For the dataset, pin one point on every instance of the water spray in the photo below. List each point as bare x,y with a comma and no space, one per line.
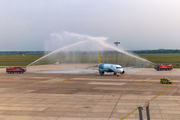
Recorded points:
121,51
85,41
58,50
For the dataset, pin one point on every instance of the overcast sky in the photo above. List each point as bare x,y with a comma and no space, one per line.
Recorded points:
137,24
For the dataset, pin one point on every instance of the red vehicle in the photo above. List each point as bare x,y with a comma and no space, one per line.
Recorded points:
163,67
16,69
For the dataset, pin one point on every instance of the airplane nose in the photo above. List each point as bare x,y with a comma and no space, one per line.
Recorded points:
120,70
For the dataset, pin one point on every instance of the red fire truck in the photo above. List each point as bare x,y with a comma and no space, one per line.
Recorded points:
163,67
16,70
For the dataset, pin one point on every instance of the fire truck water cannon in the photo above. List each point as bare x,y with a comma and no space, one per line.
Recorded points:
12,70
163,67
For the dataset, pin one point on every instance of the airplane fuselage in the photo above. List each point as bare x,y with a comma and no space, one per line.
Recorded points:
110,68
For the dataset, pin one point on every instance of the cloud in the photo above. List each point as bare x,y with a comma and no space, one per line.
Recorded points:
149,24
66,38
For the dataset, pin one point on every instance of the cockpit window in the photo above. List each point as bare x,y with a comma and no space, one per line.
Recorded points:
118,67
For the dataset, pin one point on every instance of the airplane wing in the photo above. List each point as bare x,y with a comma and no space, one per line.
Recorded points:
89,67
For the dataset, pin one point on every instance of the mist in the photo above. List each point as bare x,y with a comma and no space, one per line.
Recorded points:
78,48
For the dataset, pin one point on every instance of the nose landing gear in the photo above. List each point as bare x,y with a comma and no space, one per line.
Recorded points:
117,74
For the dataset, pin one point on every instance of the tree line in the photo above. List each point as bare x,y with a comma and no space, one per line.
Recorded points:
156,51
95,52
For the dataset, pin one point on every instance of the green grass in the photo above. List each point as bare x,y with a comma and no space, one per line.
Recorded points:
82,58
19,58
171,58
13,64
23,61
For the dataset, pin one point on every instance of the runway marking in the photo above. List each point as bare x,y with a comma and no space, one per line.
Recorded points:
167,85
158,77
171,85
141,83
59,81
43,81
152,84
149,83
147,101
129,80
145,83
169,72
39,77
152,79
66,81
55,81
129,114
106,83
52,82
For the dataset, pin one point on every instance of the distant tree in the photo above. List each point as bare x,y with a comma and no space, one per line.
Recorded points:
21,53
157,51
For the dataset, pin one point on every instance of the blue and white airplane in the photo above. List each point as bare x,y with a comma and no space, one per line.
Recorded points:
117,69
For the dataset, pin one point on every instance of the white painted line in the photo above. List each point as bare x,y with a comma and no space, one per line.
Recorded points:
70,71
106,83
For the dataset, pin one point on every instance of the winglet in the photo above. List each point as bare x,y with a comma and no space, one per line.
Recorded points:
99,61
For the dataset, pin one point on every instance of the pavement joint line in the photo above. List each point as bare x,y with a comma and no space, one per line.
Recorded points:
160,102
163,99
159,94
115,106
129,114
95,104
147,101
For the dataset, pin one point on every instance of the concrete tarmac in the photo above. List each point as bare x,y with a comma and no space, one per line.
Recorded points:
86,95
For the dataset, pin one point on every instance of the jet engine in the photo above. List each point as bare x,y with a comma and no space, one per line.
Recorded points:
101,72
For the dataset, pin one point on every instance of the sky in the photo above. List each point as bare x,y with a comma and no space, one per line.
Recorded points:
28,25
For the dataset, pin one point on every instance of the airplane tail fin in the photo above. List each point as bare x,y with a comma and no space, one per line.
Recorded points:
99,61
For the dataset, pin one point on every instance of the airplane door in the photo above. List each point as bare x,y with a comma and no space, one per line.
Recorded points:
113,68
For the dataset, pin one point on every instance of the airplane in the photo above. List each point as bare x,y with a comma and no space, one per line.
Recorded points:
117,69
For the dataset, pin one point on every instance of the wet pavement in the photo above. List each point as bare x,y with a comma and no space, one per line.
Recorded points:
73,96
